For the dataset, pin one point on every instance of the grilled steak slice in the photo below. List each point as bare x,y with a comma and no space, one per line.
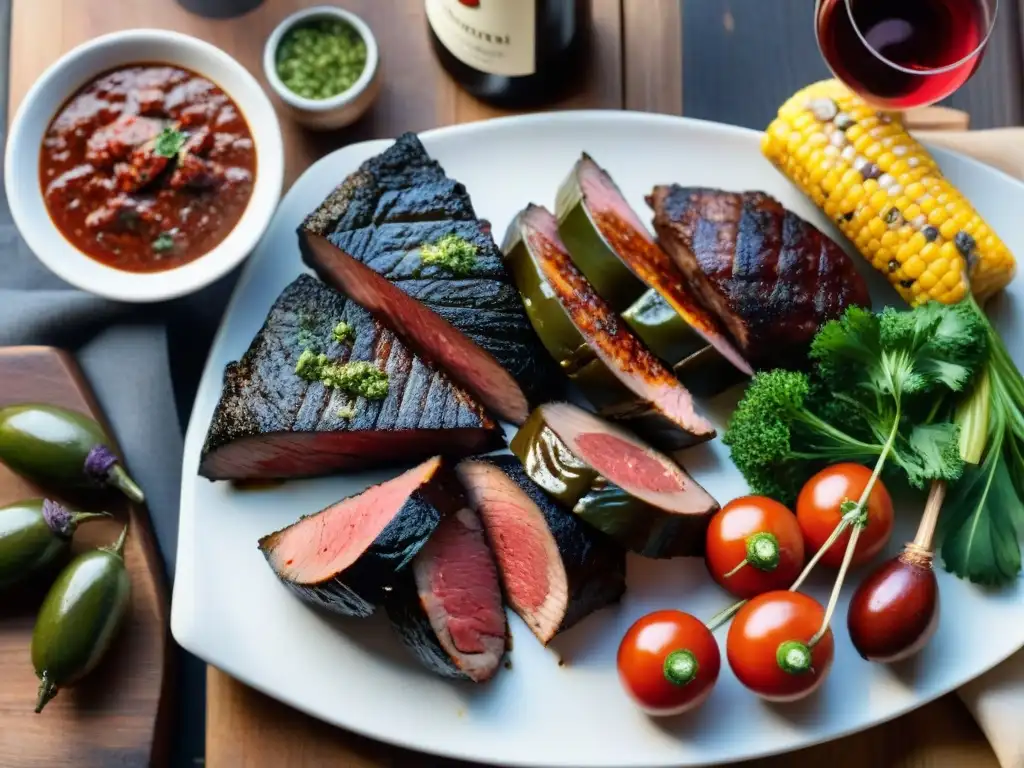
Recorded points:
608,477
271,423
555,569
447,607
771,277
613,368
366,239
346,557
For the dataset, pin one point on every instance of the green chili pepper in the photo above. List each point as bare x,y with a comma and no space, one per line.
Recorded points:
79,618
59,447
34,534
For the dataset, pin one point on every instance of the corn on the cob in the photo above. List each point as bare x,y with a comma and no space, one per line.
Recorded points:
887,195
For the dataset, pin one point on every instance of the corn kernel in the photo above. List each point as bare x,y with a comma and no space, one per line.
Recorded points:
913,266
949,228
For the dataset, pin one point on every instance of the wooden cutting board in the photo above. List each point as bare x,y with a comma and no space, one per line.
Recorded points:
118,716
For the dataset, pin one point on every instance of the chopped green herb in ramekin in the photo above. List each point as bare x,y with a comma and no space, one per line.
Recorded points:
321,58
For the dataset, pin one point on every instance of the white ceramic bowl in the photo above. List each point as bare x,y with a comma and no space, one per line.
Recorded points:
336,111
71,72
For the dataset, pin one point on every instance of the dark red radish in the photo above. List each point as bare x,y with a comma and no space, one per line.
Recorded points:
895,610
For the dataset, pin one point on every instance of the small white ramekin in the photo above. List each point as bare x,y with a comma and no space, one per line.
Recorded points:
65,77
336,111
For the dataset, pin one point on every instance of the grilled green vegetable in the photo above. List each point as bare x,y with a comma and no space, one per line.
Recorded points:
698,365
617,373
56,447
34,534
611,247
660,513
79,618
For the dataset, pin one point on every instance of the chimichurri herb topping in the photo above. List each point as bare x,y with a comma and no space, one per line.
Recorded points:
454,253
343,332
360,378
321,59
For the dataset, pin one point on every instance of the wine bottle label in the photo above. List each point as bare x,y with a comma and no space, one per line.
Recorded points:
493,36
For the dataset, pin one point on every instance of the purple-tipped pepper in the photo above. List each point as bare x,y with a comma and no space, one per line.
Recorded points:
60,448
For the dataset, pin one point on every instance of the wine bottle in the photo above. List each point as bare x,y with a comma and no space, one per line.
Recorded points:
514,53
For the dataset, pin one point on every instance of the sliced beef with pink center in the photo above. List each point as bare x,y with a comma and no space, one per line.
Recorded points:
447,608
272,423
555,569
614,481
347,557
368,238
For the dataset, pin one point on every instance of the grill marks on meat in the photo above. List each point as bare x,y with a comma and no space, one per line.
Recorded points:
271,424
447,608
771,277
473,326
346,557
556,570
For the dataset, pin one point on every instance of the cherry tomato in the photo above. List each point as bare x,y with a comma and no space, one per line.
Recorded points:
668,662
818,512
767,646
761,533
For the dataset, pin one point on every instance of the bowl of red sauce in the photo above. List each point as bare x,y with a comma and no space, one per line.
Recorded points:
144,165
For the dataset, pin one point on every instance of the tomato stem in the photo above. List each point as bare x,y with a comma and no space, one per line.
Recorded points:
723,616
843,524
737,569
680,667
763,551
794,657
858,525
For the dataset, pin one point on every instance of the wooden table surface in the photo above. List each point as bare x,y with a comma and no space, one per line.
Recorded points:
640,61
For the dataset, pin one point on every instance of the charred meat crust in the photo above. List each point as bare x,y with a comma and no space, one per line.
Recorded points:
384,212
618,374
771,277
366,583
595,566
269,419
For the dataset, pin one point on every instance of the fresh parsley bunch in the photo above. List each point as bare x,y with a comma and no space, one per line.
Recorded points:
881,391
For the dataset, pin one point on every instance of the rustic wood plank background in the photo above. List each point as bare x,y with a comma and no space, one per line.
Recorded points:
734,61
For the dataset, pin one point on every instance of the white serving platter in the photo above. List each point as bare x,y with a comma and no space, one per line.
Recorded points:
229,609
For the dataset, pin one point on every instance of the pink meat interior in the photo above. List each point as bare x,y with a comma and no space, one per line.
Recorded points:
625,460
305,454
318,547
530,565
427,332
458,584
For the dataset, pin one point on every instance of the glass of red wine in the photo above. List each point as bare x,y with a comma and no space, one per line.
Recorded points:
898,54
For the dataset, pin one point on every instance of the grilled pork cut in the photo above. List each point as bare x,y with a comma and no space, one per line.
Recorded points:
556,570
447,607
772,278
367,239
347,557
272,423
